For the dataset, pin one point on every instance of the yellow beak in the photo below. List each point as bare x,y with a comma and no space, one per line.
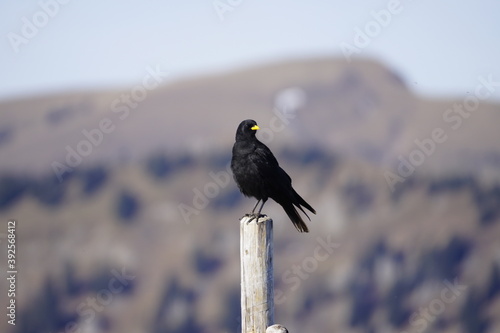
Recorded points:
255,128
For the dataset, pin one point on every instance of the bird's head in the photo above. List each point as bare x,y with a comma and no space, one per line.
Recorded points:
246,129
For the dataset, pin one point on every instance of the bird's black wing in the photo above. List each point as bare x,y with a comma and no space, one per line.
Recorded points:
279,187
269,167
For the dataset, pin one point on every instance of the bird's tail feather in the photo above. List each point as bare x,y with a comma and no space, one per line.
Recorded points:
295,217
301,202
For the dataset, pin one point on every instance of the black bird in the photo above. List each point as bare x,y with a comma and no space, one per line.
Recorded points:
258,175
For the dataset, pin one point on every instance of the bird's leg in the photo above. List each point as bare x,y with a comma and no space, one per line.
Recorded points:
254,216
260,209
253,210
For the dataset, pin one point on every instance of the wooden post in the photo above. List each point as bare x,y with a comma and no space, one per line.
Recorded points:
257,283
276,329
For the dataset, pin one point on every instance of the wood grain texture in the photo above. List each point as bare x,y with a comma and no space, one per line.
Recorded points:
257,283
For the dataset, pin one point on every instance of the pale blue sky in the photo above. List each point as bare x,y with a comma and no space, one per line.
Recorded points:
439,47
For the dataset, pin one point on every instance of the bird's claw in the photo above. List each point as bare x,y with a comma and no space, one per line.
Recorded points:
254,216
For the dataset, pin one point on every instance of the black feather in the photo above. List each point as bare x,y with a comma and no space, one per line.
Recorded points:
258,175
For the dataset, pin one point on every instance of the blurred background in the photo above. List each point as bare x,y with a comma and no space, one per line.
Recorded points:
116,126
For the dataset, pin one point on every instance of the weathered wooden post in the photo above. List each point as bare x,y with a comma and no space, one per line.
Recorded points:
257,283
276,329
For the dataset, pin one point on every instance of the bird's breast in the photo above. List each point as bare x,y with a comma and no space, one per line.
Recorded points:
247,174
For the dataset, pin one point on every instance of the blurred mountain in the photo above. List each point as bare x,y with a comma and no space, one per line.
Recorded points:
363,109
128,217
